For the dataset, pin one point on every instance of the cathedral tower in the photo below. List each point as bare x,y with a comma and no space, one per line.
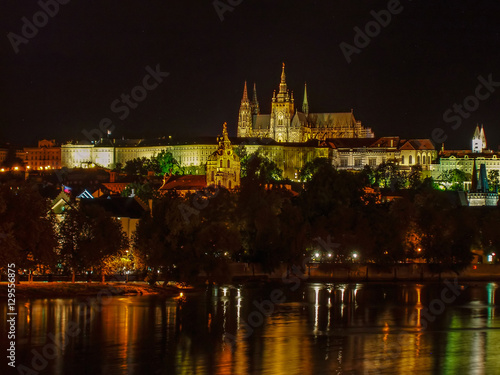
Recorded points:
224,166
282,110
479,140
245,115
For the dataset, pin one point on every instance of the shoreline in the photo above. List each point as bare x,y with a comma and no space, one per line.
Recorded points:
84,289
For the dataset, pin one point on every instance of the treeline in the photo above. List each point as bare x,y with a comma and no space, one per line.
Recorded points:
338,216
159,165
334,216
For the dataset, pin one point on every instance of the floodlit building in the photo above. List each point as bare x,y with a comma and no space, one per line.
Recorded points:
223,166
46,156
467,160
286,123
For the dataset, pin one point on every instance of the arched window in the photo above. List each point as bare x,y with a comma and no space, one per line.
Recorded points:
213,176
221,163
402,159
229,186
229,164
410,160
418,159
423,159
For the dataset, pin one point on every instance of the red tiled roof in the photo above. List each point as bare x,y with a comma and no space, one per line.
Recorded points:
418,144
187,182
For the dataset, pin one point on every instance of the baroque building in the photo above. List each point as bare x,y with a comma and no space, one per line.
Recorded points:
223,166
46,156
286,123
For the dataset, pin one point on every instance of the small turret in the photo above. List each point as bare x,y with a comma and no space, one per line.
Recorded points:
255,102
305,104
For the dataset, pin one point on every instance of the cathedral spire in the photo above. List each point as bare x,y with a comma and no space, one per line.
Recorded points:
255,102
245,94
283,89
305,104
483,137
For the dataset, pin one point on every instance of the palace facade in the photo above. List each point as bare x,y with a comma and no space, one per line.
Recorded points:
344,153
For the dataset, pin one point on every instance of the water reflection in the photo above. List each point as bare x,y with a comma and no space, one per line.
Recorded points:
345,328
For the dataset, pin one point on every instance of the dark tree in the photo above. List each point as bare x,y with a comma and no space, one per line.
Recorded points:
27,228
90,239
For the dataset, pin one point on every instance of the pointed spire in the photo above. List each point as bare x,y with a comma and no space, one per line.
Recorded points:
477,132
483,137
305,103
283,89
473,187
224,132
255,102
245,94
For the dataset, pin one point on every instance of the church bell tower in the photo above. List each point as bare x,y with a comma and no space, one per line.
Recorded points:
282,111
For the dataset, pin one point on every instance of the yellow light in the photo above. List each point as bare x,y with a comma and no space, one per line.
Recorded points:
3,170
28,167
16,168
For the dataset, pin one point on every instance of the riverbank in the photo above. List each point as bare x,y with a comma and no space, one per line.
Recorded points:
334,272
68,289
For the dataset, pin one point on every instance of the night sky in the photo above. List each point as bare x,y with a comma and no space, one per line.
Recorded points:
428,57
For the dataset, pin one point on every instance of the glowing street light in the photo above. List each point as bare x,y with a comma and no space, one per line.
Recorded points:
355,255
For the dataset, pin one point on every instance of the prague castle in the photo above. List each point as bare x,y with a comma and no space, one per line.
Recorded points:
287,124
287,136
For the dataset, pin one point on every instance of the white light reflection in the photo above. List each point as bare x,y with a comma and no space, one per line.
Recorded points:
316,309
238,309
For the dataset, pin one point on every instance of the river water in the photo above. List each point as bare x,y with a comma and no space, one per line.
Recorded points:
300,328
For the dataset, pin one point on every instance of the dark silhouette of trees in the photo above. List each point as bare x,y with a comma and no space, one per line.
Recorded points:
27,229
90,240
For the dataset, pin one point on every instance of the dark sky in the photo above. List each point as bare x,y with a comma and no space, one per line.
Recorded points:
66,77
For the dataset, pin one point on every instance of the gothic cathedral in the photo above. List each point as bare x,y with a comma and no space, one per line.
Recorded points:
287,124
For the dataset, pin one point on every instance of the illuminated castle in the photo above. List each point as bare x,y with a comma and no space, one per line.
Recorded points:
287,124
